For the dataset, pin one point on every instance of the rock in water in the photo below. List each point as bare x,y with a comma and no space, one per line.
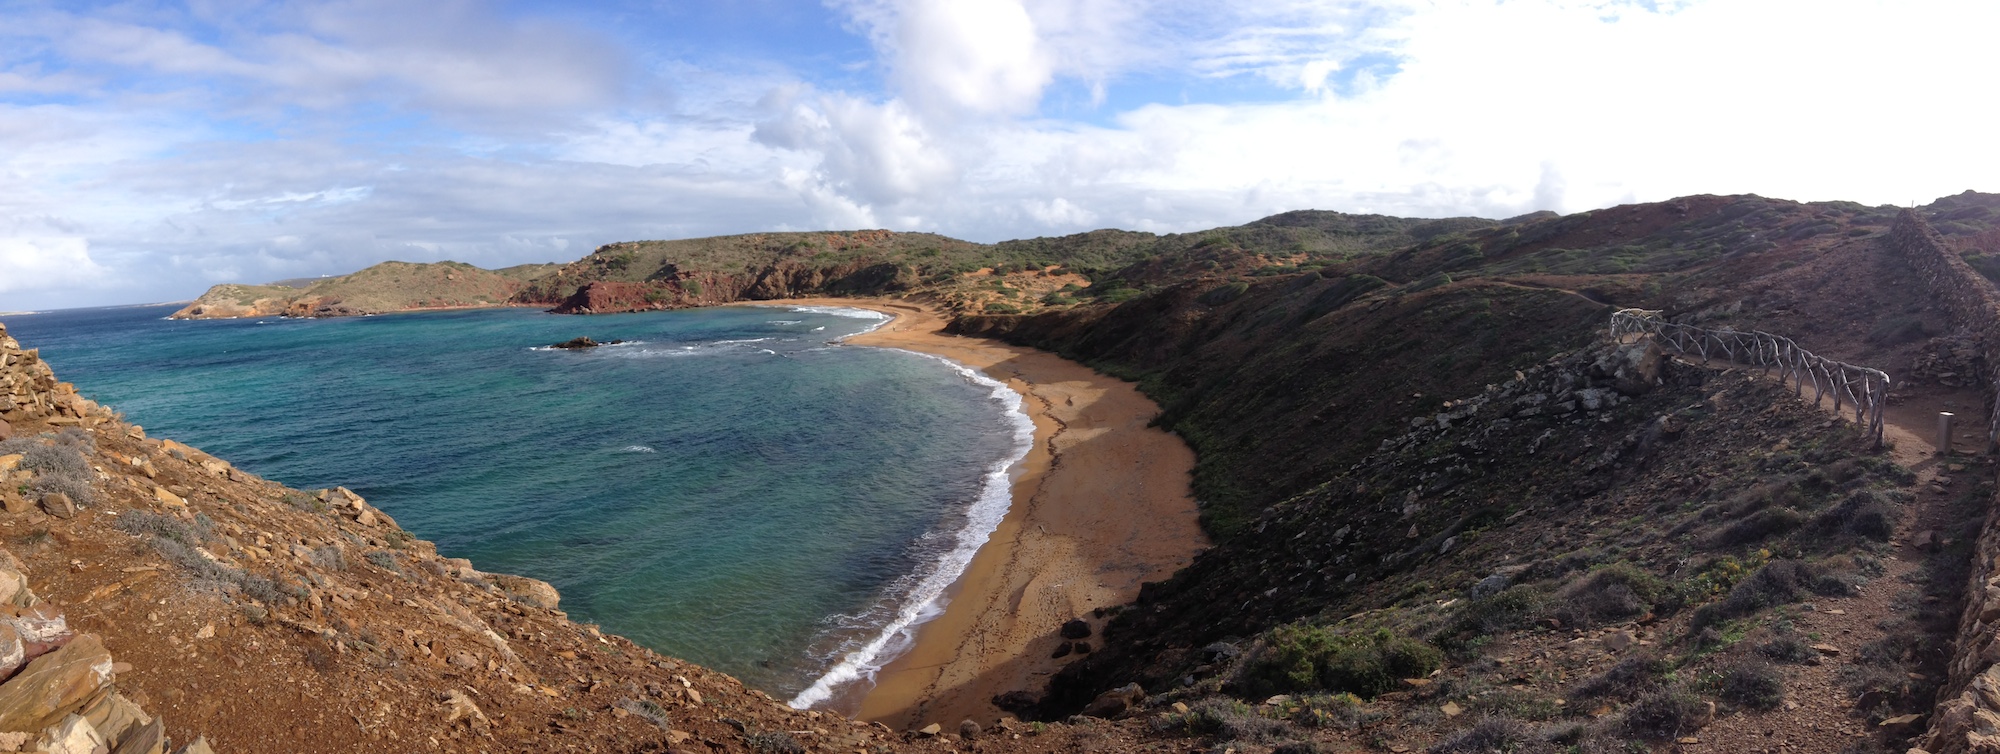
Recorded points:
584,342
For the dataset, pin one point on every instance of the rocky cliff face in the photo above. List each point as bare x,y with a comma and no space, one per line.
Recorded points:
383,288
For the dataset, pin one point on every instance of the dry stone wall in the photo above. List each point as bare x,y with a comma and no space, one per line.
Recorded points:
1967,718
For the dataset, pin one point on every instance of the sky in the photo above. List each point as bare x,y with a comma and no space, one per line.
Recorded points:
149,150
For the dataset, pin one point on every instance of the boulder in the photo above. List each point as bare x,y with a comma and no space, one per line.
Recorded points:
13,653
198,746
1116,702
12,581
42,628
968,729
15,504
1076,629
74,735
117,718
55,685
150,738
9,462
527,591
59,505
1635,367
169,499
1490,586
6,430
930,730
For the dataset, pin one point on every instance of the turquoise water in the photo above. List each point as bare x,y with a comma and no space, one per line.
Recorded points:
729,487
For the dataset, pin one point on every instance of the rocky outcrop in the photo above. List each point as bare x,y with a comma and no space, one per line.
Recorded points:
673,288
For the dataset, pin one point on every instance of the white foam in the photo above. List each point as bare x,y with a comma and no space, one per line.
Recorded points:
637,449
785,322
925,600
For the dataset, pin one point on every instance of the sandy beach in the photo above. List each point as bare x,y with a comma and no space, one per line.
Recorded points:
1101,505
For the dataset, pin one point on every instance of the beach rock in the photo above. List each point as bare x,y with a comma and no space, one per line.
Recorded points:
968,730
1116,702
1063,650
1076,629
59,505
576,344
55,685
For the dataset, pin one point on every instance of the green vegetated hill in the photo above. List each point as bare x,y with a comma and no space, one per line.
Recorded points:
386,287
1430,457
966,277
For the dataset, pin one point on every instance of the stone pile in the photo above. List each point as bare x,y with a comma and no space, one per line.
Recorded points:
29,392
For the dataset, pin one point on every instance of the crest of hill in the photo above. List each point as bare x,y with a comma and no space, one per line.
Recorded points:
383,288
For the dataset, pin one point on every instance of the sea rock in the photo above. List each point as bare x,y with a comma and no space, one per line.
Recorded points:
1116,702
55,685
59,505
1076,629
527,591
577,344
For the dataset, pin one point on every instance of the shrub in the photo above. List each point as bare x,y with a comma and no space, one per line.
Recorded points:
329,558
385,560
1510,609
1491,733
1777,583
645,710
1757,527
59,464
1300,658
1616,592
1665,714
1754,684
1337,711
1224,718
1631,678
1225,294
147,523
1788,648
774,742
1867,514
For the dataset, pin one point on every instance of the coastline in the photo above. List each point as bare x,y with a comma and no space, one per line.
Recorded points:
1100,505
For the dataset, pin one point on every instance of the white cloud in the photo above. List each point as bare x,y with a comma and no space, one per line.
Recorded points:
35,263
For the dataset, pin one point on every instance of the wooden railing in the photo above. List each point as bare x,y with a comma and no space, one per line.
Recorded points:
1862,389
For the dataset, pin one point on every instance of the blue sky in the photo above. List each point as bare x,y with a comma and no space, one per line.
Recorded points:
149,150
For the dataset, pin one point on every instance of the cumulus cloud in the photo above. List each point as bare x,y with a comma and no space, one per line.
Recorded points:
35,262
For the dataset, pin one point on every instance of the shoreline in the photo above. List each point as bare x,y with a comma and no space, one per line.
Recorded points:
1100,505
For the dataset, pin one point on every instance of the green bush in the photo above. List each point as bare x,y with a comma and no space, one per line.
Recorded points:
1299,657
1225,294
1755,685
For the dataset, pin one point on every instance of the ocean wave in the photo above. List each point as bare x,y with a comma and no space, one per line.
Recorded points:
785,322
637,449
919,597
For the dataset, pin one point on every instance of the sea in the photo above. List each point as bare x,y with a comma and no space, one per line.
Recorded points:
732,486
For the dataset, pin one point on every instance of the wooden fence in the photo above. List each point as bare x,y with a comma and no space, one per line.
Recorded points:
1863,390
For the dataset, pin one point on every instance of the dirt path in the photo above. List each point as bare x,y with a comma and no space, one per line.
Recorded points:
1819,713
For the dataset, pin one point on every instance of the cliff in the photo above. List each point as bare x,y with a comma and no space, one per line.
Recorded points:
383,288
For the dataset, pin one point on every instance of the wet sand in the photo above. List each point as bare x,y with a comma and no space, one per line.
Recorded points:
1100,505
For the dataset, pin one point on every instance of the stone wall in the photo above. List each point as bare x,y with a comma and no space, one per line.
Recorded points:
1967,718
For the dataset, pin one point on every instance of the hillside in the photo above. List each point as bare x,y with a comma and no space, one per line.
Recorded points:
383,288
1451,514
963,277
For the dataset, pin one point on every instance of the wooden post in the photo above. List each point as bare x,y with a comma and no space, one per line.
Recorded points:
1944,432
